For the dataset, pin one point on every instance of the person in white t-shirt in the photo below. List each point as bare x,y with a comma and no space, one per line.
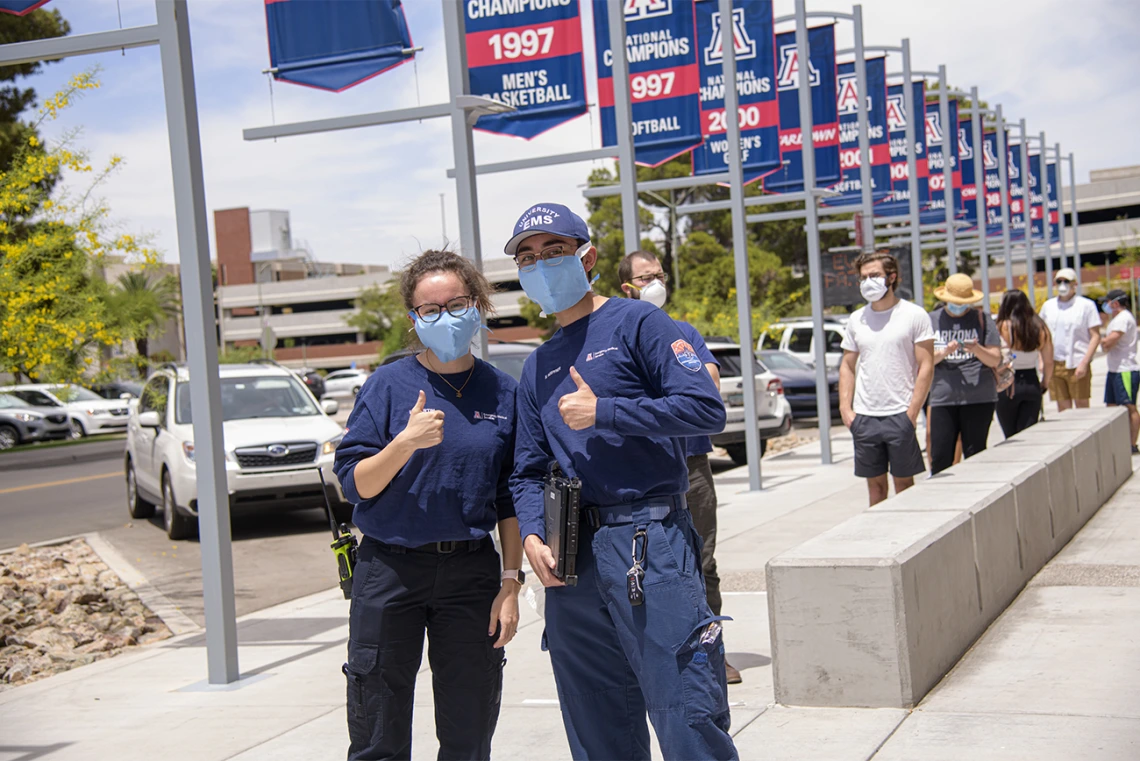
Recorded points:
1075,325
1123,380
885,375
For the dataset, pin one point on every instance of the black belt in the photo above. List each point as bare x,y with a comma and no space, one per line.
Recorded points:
650,508
436,548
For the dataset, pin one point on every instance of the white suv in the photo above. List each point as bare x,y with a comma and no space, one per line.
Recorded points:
796,338
88,413
275,435
773,413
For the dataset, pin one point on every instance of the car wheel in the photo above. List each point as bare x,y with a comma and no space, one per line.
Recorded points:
177,525
9,437
738,453
136,505
77,430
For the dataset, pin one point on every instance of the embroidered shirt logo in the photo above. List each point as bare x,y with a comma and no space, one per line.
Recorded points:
488,416
552,372
685,354
599,354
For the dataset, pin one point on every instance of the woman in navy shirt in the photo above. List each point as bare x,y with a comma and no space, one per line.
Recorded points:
426,459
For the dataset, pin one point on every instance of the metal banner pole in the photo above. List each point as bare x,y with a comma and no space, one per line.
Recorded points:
624,119
201,341
1044,180
1061,207
980,194
868,209
949,145
463,147
740,249
1030,263
1076,222
1003,178
815,263
912,121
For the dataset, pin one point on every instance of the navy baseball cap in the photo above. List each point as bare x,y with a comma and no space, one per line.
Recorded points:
553,218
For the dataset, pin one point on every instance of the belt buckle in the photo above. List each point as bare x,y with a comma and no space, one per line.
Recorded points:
445,548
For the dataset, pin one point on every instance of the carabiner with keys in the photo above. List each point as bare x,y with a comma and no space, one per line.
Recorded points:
636,574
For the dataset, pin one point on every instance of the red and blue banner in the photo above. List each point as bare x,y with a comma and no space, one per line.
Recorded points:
526,55
664,80
1042,194
993,182
1054,204
752,34
333,46
789,178
937,139
850,159
1016,193
20,7
969,184
899,203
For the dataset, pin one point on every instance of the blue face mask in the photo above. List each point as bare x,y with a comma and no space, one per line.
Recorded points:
957,310
449,337
1107,307
558,287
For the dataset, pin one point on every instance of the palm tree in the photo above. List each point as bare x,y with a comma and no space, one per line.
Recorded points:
142,305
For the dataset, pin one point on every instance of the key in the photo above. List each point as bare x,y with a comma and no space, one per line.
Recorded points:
636,574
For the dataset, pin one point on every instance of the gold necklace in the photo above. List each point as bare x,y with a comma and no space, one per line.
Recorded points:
458,391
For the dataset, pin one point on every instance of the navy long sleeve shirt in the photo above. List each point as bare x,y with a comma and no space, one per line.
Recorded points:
453,491
652,389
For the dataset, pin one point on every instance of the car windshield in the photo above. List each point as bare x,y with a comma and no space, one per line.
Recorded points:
73,393
253,397
130,387
7,401
781,361
729,360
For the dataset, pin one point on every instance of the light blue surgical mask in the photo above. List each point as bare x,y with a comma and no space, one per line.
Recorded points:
1107,308
556,287
957,310
449,337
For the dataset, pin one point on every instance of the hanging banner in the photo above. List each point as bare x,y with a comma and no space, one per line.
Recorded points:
333,46
850,159
21,7
1016,193
789,178
664,80
1054,204
527,55
1037,197
993,183
752,33
968,184
938,138
899,202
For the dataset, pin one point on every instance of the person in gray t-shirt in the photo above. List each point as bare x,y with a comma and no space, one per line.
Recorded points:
963,395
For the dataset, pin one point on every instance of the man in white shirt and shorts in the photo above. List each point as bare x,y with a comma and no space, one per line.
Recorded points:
1075,325
884,378
1123,381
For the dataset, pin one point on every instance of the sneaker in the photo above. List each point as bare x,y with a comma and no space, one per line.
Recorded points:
733,675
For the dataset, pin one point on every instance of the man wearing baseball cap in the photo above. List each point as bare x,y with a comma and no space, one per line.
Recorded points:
610,398
1123,380
1075,325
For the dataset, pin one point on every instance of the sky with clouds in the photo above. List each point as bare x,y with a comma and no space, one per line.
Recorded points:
373,195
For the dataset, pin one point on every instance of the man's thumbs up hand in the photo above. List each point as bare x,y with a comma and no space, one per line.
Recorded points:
579,409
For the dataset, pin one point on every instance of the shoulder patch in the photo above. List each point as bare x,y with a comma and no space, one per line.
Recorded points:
684,353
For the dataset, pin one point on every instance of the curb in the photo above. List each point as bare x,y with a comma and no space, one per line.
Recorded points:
65,455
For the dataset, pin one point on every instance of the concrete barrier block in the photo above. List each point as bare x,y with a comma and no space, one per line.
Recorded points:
1115,444
874,611
1035,532
982,471
1063,497
1089,470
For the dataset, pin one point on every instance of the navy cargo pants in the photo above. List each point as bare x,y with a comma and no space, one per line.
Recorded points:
613,662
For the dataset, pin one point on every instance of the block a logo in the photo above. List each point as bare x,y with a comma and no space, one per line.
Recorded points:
1014,172
745,45
637,10
965,151
788,77
848,98
988,157
896,113
933,129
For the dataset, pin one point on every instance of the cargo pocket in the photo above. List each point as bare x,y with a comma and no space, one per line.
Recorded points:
367,695
700,661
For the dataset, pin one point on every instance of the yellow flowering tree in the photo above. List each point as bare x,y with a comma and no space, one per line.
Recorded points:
53,305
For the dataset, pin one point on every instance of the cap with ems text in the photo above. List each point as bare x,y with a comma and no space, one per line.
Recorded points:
552,218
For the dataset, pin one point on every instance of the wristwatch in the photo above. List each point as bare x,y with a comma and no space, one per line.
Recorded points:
514,575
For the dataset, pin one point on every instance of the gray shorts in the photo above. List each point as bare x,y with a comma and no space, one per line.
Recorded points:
886,441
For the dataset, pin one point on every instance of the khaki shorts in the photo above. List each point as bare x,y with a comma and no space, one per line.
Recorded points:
1065,387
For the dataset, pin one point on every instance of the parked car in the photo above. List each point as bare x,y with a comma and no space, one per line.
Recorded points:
506,356
313,380
774,416
345,382
23,424
88,413
795,337
798,379
122,389
276,436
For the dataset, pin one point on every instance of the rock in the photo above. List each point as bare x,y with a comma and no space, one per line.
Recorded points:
101,621
108,580
57,600
86,595
90,571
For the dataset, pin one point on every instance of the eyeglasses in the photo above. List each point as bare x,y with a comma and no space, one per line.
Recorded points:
456,307
552,256
647,279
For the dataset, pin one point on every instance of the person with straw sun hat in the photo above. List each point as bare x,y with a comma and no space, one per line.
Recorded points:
963,395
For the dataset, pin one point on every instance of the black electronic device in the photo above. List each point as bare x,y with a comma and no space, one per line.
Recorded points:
343,546
562,498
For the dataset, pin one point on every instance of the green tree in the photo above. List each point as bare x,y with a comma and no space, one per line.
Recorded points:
141,305
15,100
380,315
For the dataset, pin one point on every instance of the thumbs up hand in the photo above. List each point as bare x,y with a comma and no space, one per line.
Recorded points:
579,409
424,429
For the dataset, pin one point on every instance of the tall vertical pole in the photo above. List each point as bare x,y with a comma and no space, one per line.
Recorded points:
443,217
740,247
915,116
201,341
1076,222
1003,178
1061,207
980,194
867,202
815,264
1044,181
1026,203
949,147
623,117
463,147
